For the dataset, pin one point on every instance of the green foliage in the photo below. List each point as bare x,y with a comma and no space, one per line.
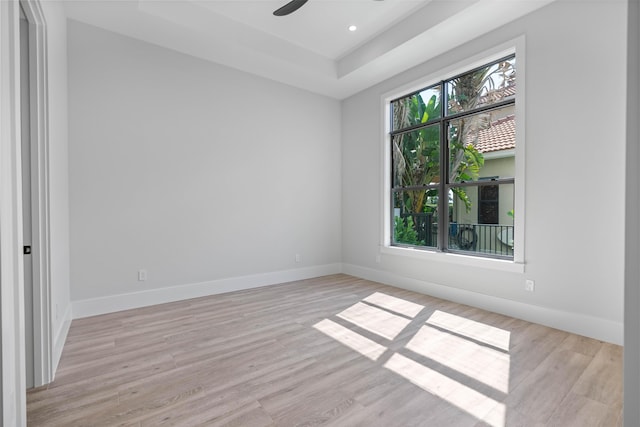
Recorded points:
465,161
416,154
404,231
463,197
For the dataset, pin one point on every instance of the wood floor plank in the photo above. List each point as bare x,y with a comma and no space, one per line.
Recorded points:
547,385
580,411
602,378
252,415
331,351
199,410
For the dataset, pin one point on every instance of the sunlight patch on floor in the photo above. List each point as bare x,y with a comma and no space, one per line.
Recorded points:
398,305
448,389
481,363
353,340
481,332
376,320
472,358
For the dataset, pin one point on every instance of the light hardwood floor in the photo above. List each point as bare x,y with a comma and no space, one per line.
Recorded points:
333,351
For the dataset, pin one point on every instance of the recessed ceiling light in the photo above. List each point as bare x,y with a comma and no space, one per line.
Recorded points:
352,28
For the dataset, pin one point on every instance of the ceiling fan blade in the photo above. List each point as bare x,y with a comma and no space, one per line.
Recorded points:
290,7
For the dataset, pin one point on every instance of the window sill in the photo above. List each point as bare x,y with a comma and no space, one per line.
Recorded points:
457,259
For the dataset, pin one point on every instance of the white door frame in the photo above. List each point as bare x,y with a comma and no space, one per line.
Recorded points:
41,257
12,360
11,273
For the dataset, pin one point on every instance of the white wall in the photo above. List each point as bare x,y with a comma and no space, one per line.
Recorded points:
56,24
196,172
574,245
632,243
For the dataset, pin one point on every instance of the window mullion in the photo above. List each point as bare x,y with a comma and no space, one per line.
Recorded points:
485,108
414,127
415,188
443,196
481,183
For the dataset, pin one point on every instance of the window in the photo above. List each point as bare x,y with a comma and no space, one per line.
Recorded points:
488,204
443,139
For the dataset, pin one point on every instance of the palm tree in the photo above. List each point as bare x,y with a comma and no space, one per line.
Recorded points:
416,154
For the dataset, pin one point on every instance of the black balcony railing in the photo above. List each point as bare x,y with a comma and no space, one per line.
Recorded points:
493,239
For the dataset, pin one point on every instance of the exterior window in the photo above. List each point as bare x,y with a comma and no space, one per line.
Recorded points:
443,139
488,204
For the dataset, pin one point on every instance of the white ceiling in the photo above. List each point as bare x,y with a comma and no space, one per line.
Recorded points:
320,26
311,48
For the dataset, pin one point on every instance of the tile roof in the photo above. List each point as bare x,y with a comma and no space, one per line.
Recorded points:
499,94
500,135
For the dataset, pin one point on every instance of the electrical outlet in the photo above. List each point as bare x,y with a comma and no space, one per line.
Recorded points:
529,285
142,275
378,259
298,258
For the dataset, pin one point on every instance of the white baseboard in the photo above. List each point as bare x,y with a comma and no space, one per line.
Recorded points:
113,303
59,339
581,324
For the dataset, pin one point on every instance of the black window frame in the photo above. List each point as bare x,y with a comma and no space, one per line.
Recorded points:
445,185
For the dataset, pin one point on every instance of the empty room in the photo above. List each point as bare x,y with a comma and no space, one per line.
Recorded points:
323,212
